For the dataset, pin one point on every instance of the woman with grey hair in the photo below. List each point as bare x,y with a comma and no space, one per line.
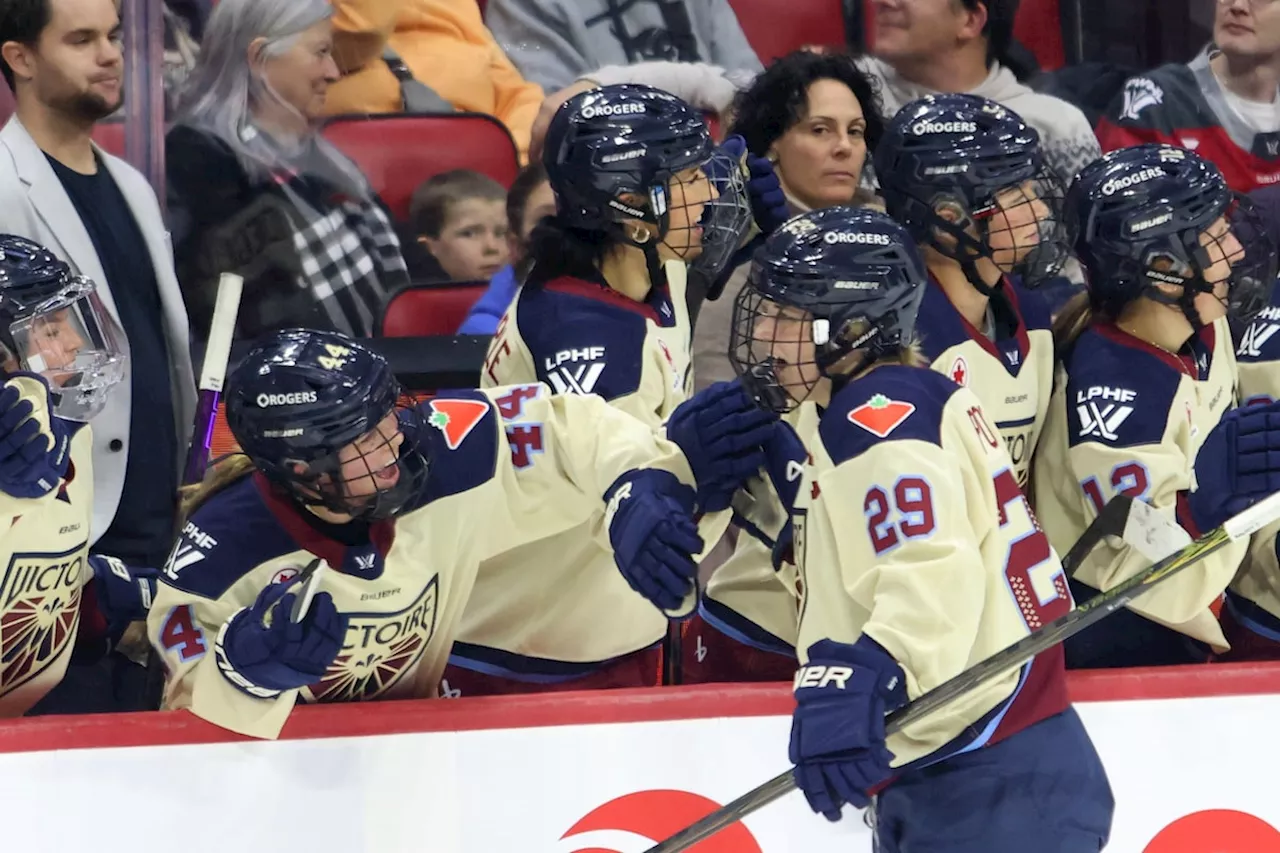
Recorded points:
255,190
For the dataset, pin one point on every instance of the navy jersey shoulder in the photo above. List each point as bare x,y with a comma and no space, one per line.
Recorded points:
461,442
1118,392
939,325
584,338
1260,340
231,533
891,403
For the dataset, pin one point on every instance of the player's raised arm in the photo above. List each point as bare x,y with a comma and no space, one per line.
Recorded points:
1146,386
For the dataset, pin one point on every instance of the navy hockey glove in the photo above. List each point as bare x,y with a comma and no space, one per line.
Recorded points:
721,430
768,201
31,464
650,520
263,652
124,593
1238,465
837,730
785,456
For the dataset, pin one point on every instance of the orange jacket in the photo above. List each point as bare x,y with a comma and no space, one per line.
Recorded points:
446,46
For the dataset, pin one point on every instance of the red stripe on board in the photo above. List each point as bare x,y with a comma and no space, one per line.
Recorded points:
163,728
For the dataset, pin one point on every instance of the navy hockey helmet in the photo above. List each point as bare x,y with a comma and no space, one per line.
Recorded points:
967,177
1153,215
318,414
852,279
617,154
53,323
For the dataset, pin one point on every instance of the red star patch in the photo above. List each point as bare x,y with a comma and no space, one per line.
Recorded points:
880,415
960,371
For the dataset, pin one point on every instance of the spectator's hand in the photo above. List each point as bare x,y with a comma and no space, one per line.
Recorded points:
548,109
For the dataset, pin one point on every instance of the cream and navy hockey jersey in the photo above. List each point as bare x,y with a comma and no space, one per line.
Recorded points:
508,466
1254,595
46,552
910,528
578,337
1012,375
1129,418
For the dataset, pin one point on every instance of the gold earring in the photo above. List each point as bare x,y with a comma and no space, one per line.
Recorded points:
640,235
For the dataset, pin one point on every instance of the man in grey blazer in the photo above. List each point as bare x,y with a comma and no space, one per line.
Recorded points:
63,60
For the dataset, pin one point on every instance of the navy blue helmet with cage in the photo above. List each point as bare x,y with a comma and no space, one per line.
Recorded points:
854,275
1149,215
311,411
613,155
967,176
53,323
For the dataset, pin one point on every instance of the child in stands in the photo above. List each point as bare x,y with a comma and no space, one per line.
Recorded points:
458,218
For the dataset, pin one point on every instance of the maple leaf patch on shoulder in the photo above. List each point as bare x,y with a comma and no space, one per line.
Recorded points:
880,415
456,418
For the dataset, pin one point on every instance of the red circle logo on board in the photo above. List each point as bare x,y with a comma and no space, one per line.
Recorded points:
658,815
1216,831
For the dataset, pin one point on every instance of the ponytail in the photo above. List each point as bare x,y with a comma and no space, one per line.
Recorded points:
556,250
223,473
1074,318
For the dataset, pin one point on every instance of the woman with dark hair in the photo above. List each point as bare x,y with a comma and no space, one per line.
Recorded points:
817,118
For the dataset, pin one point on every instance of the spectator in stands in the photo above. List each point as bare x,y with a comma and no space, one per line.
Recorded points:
254,189
529,201
459,220
442,45
1223,104
925,47
63,61
554,42
817,118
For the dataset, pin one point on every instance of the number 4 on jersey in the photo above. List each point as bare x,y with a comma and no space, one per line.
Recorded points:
181,634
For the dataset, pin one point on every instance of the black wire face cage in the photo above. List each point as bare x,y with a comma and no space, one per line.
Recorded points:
1236,251
705,217
1020,228
782,352
374,477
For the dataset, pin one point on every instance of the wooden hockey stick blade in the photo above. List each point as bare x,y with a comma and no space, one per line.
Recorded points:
1238,527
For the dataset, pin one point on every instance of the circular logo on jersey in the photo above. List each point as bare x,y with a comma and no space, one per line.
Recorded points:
285,575
960,371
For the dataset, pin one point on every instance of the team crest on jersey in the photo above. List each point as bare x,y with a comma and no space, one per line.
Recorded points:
456,418
1140,93
960,371
40,611
880,415
380,649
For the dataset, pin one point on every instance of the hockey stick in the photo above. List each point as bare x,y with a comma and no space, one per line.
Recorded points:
1233,529
212,373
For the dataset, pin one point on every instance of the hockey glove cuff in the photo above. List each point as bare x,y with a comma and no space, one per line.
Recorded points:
1238,464
33,457
124,593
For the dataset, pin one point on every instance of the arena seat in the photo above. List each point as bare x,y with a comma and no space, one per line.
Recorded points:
422,310
398,151
776,27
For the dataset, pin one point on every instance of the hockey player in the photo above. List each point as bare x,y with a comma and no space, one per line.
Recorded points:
919,556
60,357
400,505
642,195
966,176
1144,398
1251,613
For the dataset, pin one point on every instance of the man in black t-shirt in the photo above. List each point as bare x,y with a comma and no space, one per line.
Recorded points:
63,60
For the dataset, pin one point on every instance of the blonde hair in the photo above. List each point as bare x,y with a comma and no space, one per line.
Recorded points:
221,474
1071,322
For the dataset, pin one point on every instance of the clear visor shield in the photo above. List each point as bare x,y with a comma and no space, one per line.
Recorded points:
709,215
77,346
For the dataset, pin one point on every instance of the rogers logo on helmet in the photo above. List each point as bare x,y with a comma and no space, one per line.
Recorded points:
267,400
923,127
612,110
1114,185
833,237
